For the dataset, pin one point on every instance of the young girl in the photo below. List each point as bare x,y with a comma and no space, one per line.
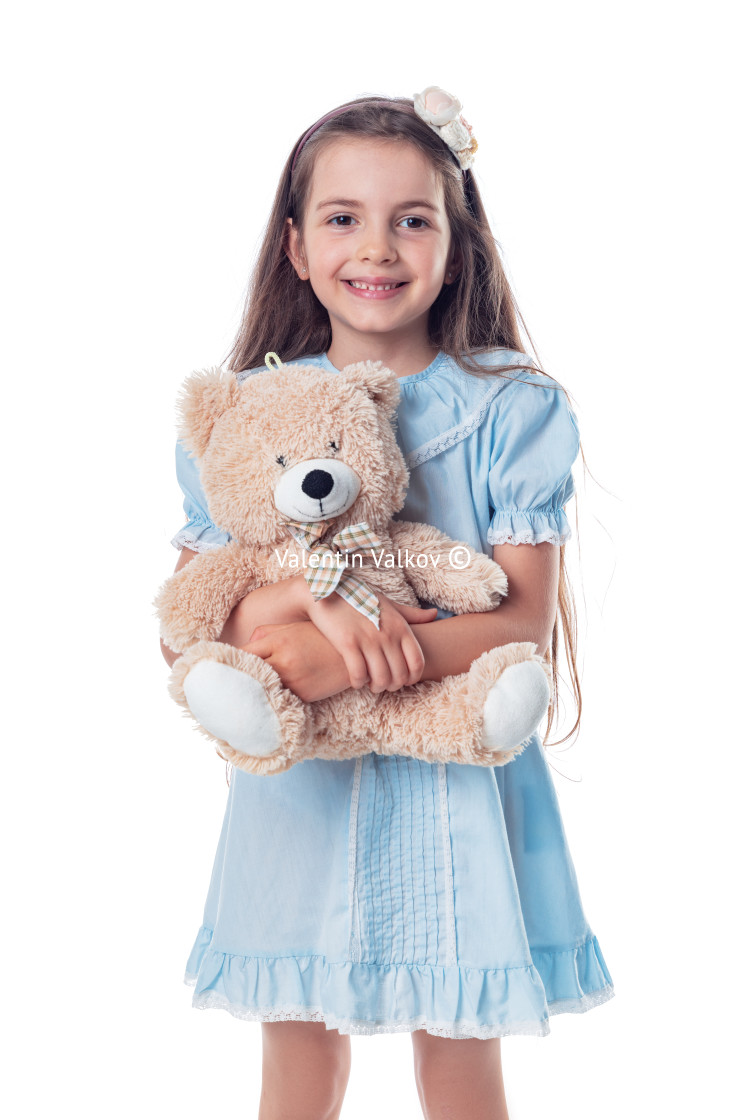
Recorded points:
386,894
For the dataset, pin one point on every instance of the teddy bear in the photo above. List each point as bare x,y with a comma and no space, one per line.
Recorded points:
300,466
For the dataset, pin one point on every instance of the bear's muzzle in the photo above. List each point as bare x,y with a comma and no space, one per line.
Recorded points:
316,490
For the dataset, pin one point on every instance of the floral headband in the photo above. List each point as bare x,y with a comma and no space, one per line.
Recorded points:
440,111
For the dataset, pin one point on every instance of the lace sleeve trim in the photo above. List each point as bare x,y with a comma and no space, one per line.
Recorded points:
528,536
185,539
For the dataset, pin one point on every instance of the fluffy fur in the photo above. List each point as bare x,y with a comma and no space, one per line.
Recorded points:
246,436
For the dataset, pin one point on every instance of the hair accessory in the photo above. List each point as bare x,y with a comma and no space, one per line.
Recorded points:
272,361
323,120
441,111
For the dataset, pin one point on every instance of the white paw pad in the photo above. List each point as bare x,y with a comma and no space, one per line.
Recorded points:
233,707
515,705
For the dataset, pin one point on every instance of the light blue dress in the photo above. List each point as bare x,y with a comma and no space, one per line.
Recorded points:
388,894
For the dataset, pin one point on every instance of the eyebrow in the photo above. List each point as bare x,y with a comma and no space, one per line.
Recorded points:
353,203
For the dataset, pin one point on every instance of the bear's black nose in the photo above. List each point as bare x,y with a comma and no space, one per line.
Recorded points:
317,484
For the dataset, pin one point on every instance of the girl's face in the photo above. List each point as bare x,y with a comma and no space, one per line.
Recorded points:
376,243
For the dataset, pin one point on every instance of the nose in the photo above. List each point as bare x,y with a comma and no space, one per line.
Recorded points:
378,246
317,484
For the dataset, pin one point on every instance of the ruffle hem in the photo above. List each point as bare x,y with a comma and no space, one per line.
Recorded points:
449,1001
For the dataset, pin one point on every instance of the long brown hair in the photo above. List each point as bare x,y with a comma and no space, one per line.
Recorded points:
474,315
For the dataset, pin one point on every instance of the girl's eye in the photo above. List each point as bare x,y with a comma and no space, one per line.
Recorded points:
413,223
342,221
281,459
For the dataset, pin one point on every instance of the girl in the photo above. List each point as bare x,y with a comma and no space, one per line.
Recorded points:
385,894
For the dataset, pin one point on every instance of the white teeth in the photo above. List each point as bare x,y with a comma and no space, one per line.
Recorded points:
372,287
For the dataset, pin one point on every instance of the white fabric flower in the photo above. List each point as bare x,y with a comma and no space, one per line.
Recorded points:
441,111
437,107
455,135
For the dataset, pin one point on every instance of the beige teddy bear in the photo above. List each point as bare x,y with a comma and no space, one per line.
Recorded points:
301,467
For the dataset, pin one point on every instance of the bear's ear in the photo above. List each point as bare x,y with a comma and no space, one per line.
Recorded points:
206,395
377,381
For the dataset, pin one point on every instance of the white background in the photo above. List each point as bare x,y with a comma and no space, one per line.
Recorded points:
142,147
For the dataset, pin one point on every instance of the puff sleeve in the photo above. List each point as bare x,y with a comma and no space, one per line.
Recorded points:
534,445
200,533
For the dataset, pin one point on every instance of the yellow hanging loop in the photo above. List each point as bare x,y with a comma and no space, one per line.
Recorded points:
272,361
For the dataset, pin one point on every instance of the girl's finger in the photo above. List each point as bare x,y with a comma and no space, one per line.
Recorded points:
262,647
379,674
413,656
397,667
356,666
416,614
267,628
400,672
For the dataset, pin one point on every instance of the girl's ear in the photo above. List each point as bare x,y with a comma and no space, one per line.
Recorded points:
454,267
294,249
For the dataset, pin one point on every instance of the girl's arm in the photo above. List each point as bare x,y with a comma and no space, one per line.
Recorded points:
353,653
311,667
263,605
527,614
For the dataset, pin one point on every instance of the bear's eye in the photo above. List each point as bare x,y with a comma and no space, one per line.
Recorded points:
334,446
281,459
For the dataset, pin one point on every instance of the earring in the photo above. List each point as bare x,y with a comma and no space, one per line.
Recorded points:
303,268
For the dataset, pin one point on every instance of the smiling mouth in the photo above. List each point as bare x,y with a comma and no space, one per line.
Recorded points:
375,287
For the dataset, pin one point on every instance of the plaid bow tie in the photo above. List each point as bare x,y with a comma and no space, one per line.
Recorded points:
330,573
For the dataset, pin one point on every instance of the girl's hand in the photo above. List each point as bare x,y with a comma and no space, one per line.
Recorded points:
279,603
311,666
302,657
386,659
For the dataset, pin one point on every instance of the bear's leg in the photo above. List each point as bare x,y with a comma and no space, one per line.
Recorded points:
514,686
482,717
240,703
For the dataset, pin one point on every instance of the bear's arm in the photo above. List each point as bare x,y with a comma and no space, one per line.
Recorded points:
195,601
462,581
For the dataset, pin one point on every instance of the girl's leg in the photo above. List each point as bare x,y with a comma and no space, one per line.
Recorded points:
305,1071
459,1079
